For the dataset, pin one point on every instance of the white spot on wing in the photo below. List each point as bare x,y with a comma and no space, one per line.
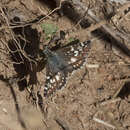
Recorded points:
72,48
48,77
76,53
73,59
52,80
57,77
46,88
82,44
80,48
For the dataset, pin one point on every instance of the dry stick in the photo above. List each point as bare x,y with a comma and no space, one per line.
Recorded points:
104,123
62,124
80,9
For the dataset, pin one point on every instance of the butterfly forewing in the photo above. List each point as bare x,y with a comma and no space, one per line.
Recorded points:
75,55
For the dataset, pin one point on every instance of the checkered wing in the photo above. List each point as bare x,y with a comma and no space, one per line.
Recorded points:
54,81
76,55
72,57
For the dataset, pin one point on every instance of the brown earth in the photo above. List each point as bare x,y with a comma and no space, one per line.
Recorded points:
97,100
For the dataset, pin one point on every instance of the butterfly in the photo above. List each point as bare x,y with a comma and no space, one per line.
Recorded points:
61,63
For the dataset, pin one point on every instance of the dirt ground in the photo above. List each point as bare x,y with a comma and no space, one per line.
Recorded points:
96,97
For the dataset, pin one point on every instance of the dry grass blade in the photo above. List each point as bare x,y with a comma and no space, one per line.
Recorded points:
104,123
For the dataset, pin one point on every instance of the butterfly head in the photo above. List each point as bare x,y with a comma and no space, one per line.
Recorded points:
47,52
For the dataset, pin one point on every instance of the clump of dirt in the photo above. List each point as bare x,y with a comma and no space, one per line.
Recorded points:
95,97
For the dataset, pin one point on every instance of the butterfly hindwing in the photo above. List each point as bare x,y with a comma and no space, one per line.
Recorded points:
53,81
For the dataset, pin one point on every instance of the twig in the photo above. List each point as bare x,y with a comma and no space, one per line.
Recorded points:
92,65
110,101
63,125
104,123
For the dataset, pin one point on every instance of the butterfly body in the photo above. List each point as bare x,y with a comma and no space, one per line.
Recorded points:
56,62
61,63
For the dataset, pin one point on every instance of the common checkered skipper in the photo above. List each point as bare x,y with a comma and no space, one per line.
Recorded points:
61,63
